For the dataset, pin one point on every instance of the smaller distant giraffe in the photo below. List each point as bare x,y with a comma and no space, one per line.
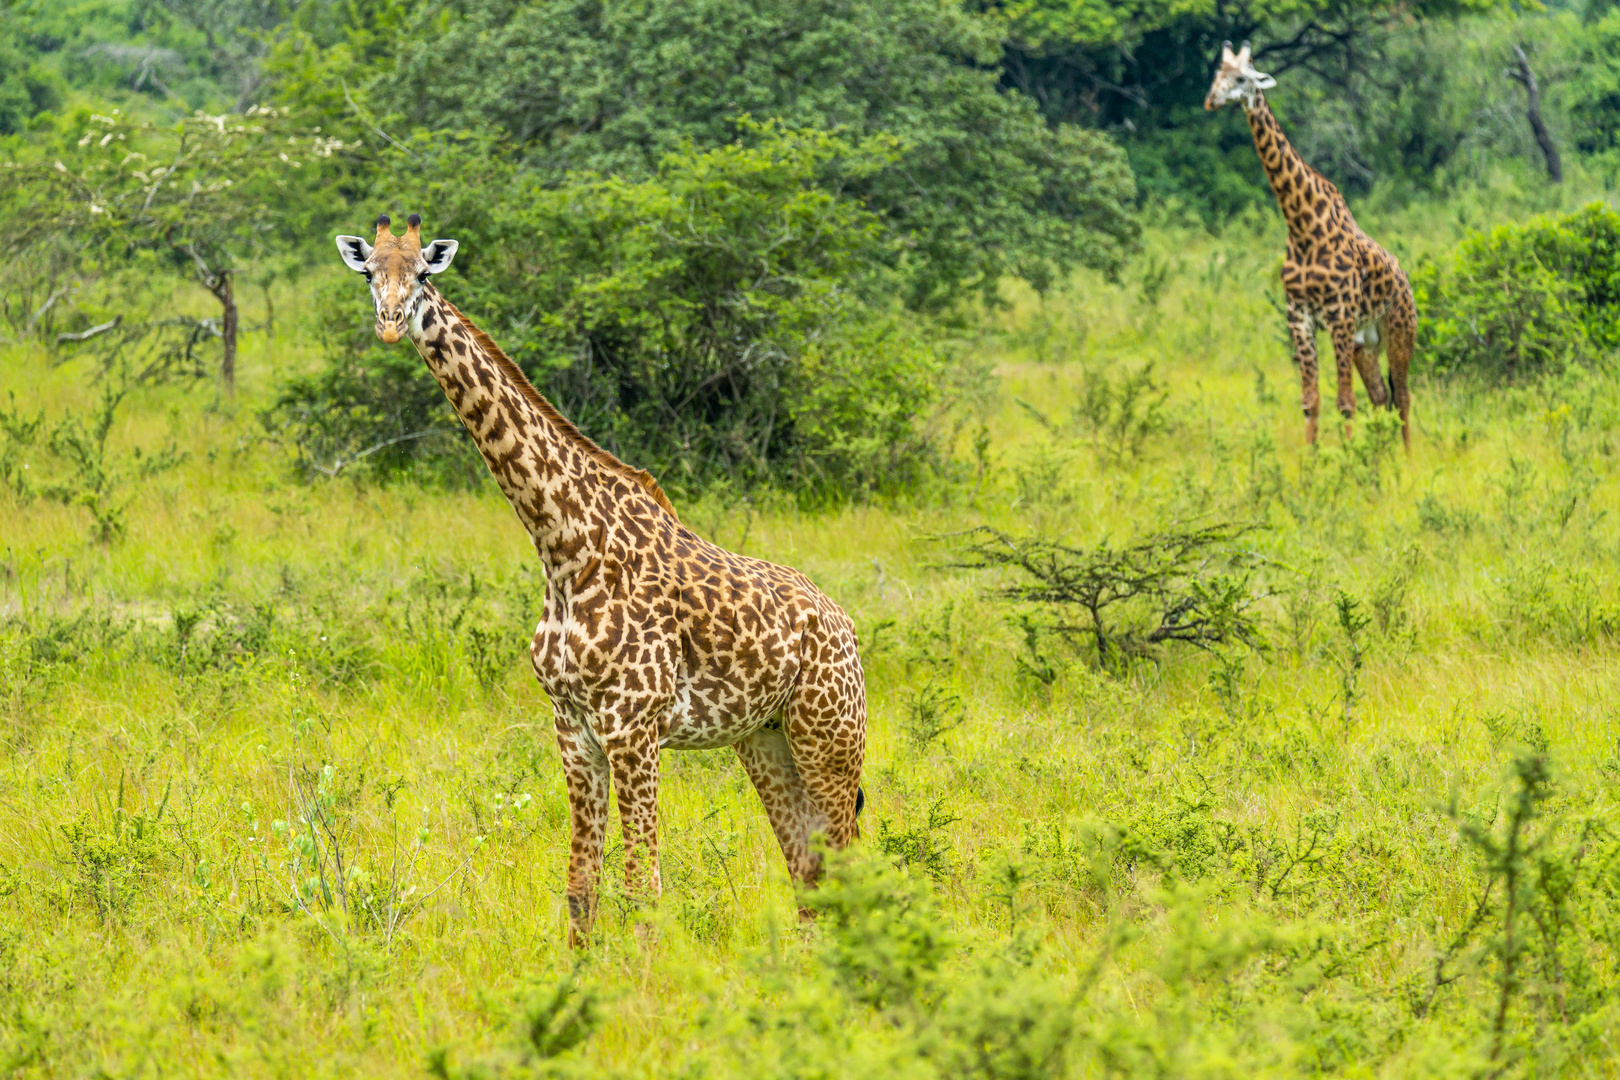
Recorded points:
1335,276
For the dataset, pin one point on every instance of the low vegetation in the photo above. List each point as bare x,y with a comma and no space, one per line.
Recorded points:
280,794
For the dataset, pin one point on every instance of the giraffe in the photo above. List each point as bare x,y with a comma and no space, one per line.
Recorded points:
1335,276
651,637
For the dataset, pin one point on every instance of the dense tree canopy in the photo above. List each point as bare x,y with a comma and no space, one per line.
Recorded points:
983,185
1367,74
719,233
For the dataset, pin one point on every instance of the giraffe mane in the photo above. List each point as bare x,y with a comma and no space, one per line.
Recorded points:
583,442
1310,169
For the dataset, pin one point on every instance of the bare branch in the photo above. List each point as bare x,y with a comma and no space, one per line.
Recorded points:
367,121
343,463
39,312
86,335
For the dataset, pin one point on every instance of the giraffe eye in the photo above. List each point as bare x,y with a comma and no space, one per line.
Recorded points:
368,275
422,277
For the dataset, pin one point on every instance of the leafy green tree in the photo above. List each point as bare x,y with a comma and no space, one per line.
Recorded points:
1081,56
201,199
1594,95
982,186
236,35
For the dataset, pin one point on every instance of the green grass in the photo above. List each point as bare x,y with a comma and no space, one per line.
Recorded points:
1210,864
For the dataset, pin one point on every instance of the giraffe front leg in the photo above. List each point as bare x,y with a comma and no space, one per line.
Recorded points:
585,768
1344,357
632,754
1303,330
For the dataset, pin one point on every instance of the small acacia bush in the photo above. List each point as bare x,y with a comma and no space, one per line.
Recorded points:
732,317
1523,298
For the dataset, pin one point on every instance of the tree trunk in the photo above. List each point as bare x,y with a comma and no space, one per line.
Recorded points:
218,282
220,286
1549,149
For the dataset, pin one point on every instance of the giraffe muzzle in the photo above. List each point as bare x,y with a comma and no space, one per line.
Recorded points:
391,330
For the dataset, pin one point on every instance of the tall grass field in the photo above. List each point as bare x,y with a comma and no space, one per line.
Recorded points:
279,793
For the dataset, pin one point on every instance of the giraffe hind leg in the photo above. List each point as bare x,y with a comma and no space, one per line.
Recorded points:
1345,352
826,730
1369,343
807,770
1402,338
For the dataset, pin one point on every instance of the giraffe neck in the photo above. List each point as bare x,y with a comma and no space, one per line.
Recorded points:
554,477
1299,188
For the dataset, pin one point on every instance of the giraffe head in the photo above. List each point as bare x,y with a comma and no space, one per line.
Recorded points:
398,269
1236,79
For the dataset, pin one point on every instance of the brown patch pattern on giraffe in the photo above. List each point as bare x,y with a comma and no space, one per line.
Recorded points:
651,636
1335,276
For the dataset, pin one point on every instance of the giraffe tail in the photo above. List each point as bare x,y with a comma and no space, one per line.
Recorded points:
860,801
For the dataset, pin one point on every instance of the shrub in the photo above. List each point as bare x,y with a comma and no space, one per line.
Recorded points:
1193,585
729,318
76,467
1523,298
883,939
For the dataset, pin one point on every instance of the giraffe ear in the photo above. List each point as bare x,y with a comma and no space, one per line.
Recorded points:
438,255
355,252
1263,81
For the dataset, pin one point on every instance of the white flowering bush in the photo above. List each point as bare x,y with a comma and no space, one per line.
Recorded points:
199,199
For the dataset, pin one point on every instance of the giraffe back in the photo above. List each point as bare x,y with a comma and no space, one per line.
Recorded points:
716,643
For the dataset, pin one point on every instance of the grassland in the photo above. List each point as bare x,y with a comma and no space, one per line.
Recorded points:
1383,844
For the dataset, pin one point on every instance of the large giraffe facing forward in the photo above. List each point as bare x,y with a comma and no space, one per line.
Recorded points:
651,637
1335,276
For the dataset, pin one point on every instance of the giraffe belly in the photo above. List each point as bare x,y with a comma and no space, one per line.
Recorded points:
716,706
708,713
